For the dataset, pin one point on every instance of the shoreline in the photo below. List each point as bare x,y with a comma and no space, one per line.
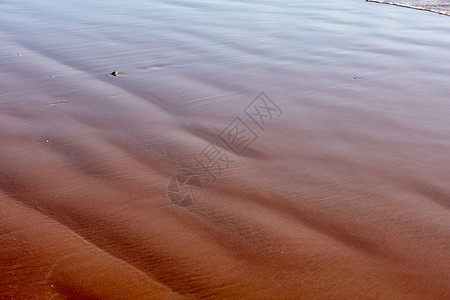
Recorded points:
437,11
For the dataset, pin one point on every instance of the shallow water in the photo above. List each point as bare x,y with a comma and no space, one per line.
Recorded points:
343,195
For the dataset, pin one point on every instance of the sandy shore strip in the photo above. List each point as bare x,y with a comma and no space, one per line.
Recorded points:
440,6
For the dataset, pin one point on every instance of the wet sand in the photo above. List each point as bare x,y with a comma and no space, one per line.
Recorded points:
344,195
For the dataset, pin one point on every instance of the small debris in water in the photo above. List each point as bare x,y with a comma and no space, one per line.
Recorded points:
59,102
19,54
46,141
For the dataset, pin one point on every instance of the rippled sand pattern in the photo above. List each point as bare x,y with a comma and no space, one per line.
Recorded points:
343,196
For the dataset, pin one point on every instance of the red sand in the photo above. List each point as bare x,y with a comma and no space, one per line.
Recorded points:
344,196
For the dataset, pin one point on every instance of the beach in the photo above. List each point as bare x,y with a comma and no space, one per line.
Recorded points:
267,150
